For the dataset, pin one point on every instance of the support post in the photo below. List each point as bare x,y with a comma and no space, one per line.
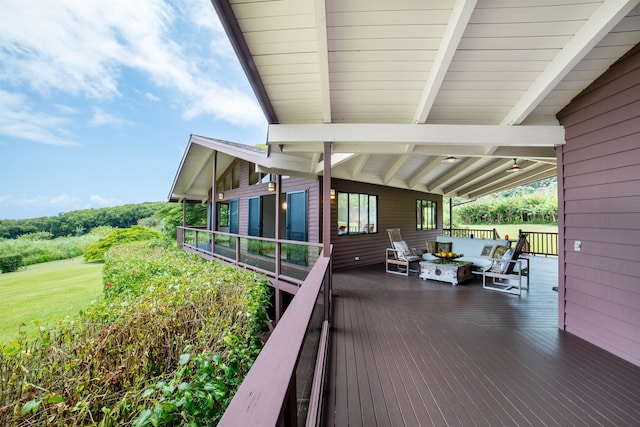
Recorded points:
278,266
326,225
326,200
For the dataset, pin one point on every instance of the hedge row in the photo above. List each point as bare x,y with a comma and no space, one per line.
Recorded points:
169,345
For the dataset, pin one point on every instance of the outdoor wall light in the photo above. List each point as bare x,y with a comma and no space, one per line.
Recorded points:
332,194
220,196
271,186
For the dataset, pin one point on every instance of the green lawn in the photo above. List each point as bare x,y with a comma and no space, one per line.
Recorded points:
46,292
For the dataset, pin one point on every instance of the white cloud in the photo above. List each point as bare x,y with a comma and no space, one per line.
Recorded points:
102,118
19,120
81,48
151,97
98,201
64,200
61,202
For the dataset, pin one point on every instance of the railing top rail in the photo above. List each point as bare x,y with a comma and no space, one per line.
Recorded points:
264,239
261,395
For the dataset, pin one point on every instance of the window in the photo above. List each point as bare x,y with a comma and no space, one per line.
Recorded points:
230,179
223,215
357,213
426,215
235,176
228,216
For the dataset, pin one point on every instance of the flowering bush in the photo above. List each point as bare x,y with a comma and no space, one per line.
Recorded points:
169,344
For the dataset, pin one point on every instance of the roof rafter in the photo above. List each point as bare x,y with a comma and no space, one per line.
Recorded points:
455,170
485,172
197,169
522,178
395,167
362,160
448,45
428,167
336,159
597,26
323,59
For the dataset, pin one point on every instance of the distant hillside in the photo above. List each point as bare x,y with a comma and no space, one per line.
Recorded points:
81,221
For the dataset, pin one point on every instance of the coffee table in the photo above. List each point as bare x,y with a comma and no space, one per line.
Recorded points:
453,272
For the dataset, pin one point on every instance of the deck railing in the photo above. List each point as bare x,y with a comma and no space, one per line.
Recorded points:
477,233
284,387
538,242
541,243
285,260
276,389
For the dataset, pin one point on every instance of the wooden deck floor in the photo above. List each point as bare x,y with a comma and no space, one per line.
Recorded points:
408,352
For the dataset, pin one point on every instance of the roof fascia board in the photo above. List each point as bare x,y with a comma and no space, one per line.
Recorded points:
234,33
175,178
458,21
230,150
607,16
420,134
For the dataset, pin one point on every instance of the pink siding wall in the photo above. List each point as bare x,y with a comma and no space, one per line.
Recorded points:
288,184
601,196
396,208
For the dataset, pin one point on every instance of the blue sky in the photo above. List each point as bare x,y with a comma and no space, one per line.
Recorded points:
98,99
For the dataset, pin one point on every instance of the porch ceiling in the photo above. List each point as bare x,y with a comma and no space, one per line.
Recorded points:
398,86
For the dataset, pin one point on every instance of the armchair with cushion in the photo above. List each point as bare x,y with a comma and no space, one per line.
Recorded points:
507,272
400,257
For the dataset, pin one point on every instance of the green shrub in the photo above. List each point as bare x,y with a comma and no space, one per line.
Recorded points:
36,251
118,236
10,263
39,235
168,346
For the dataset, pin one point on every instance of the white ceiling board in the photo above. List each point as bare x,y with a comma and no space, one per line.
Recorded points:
376,66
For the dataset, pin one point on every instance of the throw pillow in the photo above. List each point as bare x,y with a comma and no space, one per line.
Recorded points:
444,246
499,251
402,249
487,250
432,246
505,258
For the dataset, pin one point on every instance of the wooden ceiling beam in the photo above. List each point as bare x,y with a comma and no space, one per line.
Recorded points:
448,45
607,16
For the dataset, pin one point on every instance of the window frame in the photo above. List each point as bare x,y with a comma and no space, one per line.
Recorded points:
355,211
421,206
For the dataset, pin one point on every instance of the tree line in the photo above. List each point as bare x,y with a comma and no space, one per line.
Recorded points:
160,215
533,203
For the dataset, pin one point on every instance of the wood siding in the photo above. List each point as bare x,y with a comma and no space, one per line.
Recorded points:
288,185
396,209
601,204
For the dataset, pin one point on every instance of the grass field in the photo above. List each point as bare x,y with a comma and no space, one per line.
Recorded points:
46,292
